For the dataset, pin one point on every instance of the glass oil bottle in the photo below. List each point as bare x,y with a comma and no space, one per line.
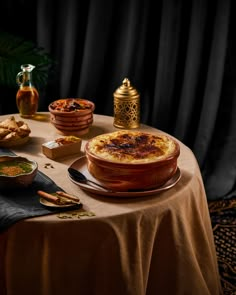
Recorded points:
27,96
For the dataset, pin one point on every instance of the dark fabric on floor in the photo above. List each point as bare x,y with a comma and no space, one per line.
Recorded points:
223,218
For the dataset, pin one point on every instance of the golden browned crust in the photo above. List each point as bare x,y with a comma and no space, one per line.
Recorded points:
131,146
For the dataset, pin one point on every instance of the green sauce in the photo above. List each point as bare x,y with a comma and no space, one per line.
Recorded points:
14,168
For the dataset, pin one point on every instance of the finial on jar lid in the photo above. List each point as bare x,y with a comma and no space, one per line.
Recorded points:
126,82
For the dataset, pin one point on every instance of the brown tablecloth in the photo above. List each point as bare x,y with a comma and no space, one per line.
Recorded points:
160,244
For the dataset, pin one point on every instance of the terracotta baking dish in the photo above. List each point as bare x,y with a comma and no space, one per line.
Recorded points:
133,176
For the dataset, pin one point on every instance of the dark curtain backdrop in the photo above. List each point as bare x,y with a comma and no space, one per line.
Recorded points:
180,55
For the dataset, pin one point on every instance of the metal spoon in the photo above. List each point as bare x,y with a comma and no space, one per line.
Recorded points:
80,177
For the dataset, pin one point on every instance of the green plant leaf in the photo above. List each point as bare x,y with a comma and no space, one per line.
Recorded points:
15,51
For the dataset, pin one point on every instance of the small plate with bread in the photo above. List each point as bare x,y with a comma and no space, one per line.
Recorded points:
13,133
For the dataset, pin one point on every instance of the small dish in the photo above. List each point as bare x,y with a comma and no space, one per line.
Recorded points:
81,165
14,142
46,203
16,172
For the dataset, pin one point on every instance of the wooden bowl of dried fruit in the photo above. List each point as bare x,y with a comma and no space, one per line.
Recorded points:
71,116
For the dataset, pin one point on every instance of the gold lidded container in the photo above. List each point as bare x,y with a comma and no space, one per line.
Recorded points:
126,106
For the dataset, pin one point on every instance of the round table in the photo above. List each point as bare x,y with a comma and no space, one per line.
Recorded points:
158,244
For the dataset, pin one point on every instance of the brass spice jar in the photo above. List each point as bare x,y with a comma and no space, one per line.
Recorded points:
126,106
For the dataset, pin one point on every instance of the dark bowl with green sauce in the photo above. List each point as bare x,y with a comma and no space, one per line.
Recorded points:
16,172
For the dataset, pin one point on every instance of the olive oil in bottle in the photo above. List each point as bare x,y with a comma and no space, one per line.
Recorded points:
27,96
